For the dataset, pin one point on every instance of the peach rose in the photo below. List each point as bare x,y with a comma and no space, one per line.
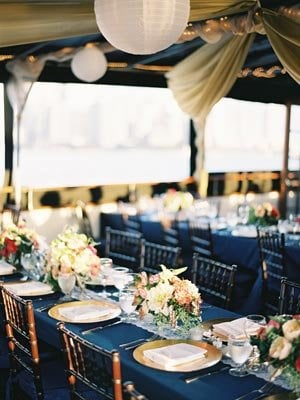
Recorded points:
280,348
291,329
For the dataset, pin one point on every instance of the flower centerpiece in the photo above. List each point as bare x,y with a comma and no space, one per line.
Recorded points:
169,299
279,345
17,240
72,252
263,214
175,201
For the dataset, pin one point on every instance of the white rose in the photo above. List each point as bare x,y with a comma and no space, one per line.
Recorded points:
280,348
291,329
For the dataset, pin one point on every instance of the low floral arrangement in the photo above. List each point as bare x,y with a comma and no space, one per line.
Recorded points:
264,215
168,298
279,345
174,200
17,240
72,252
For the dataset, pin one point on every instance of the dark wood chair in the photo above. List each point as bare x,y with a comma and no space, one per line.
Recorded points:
123,247
132,223
92,371
201,237
272,258
215,280
130,392
29,368
289,299
170,233
153,255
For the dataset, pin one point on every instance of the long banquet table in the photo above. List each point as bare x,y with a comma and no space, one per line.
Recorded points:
239,250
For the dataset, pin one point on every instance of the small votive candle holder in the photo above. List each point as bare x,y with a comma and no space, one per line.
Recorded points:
196,333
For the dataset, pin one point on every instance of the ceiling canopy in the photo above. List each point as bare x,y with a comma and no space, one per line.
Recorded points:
35,28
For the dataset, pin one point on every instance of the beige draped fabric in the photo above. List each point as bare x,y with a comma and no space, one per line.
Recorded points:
203,78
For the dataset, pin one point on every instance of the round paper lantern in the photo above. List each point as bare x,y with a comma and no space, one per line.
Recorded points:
89,64
142,26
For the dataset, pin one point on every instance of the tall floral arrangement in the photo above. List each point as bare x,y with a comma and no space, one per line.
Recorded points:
74,252
174,200
16,240
279,346
168,298
263,214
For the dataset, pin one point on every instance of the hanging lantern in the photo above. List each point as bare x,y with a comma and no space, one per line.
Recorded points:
89,64
142,26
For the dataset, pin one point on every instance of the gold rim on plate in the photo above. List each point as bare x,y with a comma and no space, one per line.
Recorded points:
282,396
212,357
115,311
208,325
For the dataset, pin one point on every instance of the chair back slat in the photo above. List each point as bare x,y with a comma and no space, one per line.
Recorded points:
154,254
201,237
90,369
289,299
215,280
22,337
123,247
272,258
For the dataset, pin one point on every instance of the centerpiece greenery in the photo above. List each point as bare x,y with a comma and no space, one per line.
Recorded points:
263,215
279,346
168,298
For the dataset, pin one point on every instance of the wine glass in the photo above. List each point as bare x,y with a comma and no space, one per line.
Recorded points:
120,279
243,213
66,283
239,350
105,273
252,324
126,303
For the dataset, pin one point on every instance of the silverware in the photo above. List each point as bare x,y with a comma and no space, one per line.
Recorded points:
202,375
132,342
263,390
153,337
46,307
86,331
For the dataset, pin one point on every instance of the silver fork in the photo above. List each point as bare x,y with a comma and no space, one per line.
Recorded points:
132,342
149,339
264,389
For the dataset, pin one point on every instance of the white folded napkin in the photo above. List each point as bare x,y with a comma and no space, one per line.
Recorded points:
29,288
245,231
238,328
175,354
84,312
6,268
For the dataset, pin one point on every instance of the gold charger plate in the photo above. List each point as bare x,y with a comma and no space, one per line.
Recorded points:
115,311
207,325
212,357
282,396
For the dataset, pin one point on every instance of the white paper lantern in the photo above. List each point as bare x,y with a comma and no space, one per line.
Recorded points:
89,64
142,26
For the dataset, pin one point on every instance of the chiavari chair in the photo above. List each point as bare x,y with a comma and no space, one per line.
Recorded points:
154,254
123,247
93,372
29,368
214,279
289,299
272,258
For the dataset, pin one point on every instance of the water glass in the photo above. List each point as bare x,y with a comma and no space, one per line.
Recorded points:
239,351
126,299
66,283
120,278
105,272
253,363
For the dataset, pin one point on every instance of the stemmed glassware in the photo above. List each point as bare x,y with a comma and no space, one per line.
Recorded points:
120,279
239,350
243,213
252,324
126,303
105,272
66,283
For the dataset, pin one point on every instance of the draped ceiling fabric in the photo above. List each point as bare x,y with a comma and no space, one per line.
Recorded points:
203,78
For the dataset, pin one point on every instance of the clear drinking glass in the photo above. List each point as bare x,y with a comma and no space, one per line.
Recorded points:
252,324
126,303
66,283
120,279
105,273
239,350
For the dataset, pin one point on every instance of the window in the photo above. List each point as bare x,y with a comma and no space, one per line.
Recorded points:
245,136
81,135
